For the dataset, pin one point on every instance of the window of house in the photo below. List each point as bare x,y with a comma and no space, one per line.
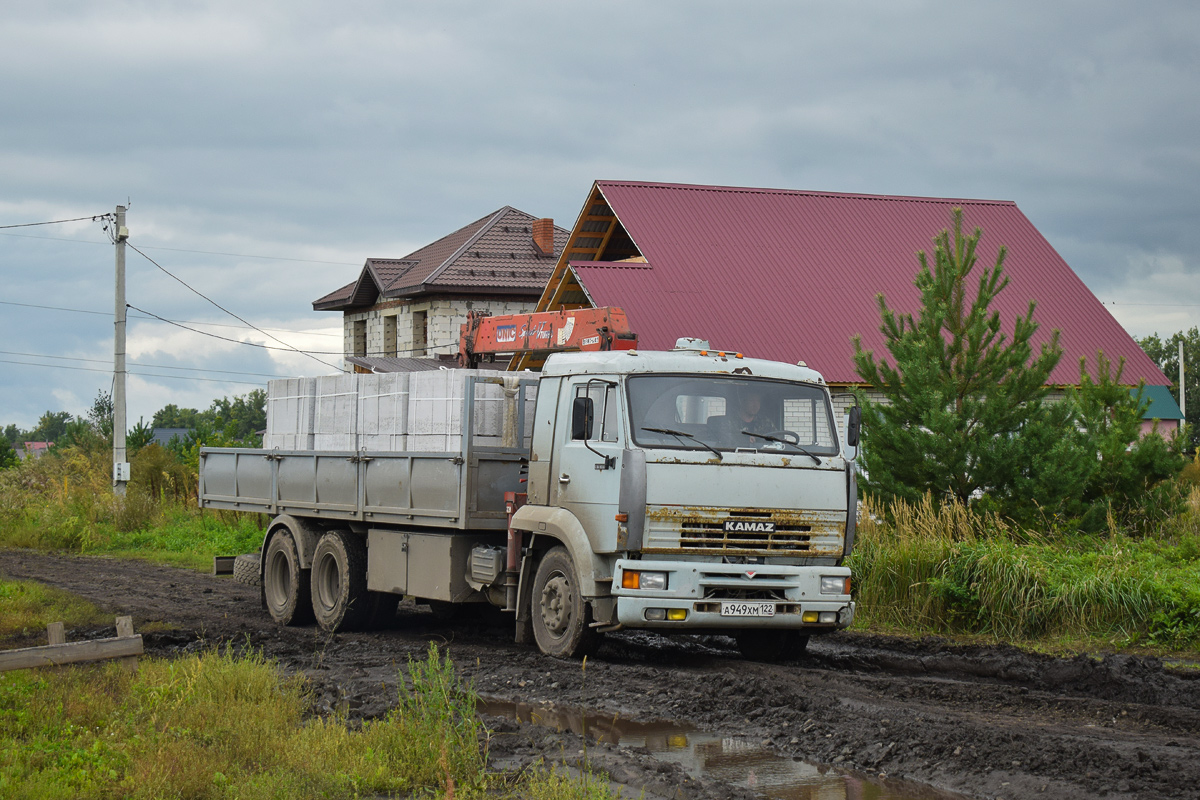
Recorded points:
389,335
420,332
360,337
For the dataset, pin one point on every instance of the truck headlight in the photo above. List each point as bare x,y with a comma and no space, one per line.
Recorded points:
635,579
835,584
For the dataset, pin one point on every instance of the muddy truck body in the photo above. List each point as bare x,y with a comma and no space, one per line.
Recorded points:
631,495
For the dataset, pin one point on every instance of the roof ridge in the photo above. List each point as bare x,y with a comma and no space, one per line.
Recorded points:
806,193
487,226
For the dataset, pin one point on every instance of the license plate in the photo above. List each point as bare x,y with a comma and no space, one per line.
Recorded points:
734,609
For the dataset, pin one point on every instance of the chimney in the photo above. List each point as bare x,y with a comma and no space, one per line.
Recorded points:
543,236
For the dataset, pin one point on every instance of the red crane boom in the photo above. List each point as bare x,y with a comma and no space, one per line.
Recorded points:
542,333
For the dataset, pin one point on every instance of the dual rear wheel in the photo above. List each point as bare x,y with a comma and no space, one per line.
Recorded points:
334,592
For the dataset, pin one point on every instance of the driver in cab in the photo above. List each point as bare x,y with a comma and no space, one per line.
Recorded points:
747,416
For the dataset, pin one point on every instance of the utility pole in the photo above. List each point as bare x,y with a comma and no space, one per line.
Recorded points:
1182,401
120,464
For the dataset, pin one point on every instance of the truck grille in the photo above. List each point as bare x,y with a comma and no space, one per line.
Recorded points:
712,533
703,530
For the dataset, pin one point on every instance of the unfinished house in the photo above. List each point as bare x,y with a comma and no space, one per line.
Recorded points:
405,313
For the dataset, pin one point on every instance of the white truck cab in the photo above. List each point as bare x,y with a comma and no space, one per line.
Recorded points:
693,490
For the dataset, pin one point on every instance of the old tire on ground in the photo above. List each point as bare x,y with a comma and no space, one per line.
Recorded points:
246,569
770,645
560,616
285,584
339,582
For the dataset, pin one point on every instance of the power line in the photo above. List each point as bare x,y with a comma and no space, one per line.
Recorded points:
56,221
143,364
227,311
246,255
186,250
142,374
239,341
188,321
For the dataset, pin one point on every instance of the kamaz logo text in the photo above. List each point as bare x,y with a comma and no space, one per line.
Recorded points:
736,526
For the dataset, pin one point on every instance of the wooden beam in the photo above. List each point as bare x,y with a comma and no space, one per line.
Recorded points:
126,646
56,633
223,565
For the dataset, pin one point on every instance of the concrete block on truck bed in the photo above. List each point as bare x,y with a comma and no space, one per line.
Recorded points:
290,408
336,412
435,401
434,442
337,442
383,411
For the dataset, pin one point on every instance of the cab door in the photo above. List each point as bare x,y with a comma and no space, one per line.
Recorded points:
586,476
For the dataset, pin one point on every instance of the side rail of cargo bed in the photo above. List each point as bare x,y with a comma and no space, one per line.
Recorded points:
437,489
461,489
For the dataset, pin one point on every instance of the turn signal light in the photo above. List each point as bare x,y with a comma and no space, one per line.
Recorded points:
631,580
622,517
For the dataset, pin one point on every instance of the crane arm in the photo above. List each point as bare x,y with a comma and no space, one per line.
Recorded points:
586,329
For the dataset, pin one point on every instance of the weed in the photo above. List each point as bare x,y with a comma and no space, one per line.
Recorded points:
26,608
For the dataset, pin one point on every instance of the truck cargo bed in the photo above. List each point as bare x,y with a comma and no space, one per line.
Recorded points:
461,488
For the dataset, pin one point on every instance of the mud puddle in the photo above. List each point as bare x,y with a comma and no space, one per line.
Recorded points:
736,761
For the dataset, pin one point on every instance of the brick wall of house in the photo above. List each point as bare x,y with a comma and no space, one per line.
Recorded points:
443,319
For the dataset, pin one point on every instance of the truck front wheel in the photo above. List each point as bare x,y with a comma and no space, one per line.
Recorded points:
560,615
339,582
285,584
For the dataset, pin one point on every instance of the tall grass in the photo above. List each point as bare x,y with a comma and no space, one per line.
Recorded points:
65,502
943,568
29,607
217,725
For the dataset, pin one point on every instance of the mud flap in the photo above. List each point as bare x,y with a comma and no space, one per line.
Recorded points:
524,627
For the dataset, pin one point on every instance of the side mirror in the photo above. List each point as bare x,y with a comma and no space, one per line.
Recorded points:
853,427
581,418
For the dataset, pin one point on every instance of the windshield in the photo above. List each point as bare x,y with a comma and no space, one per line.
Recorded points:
730,413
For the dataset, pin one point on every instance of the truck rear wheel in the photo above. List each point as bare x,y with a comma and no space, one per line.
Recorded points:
340,599
560,616
285,584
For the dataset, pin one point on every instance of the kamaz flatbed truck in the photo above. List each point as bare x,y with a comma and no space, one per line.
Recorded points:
645,500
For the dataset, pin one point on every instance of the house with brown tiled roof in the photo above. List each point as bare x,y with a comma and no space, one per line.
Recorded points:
412,307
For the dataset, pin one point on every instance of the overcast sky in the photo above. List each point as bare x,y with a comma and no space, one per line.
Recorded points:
267,149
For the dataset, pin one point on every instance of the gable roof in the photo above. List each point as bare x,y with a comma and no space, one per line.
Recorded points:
793,275
1162,405
492,255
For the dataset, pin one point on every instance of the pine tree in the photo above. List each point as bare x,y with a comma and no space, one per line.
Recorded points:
964,412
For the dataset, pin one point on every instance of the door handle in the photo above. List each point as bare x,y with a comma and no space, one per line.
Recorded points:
564,478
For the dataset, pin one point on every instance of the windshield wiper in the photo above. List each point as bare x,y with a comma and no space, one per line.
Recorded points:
693,437
782,441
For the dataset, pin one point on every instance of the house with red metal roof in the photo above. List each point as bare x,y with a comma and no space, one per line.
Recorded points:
793,275
411,307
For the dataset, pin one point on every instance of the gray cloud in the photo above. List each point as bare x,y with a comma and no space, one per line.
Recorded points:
282,129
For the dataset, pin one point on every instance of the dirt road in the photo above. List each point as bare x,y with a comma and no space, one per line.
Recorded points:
986,722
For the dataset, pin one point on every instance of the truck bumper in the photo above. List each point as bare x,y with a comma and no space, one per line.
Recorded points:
701,596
